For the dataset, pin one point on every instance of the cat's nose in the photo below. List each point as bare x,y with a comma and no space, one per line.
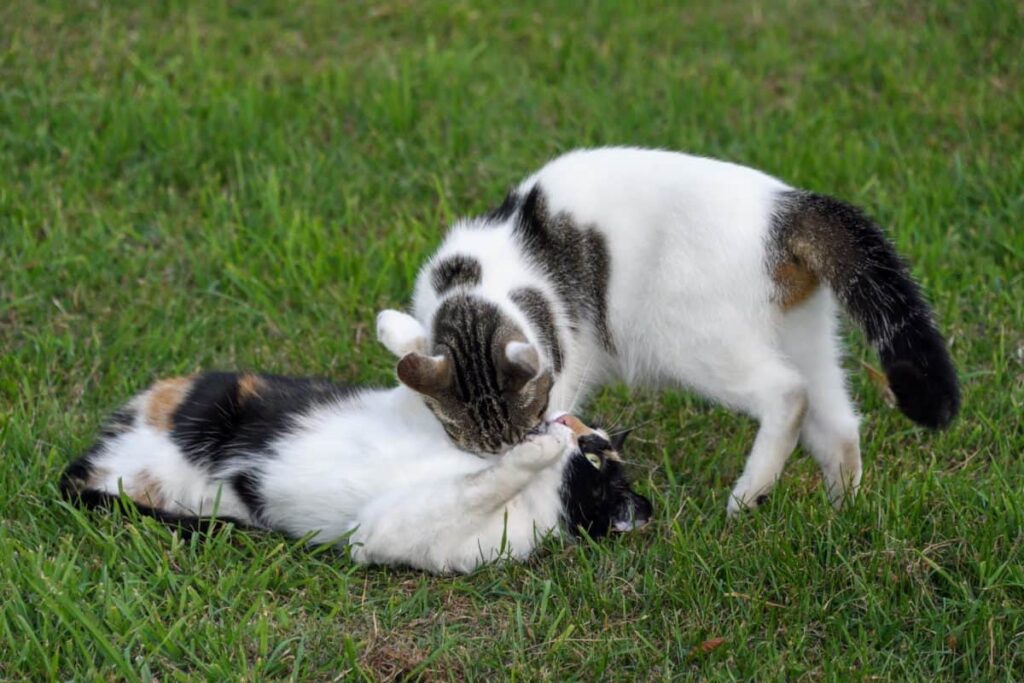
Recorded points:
577,427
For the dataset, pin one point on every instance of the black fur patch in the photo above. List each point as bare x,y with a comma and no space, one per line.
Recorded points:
219,419
593,500
119,422
506,209
538,311
455,271
73,480
576,260
841,245
246,485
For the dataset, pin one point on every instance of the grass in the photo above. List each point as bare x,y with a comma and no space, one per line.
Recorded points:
196,185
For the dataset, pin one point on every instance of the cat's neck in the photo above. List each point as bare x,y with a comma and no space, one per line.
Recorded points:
406,405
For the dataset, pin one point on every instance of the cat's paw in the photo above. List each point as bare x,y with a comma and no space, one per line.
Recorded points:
746,497
400,333
539,451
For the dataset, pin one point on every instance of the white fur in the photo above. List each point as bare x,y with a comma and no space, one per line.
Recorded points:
400,333
376,471
149,467
689,302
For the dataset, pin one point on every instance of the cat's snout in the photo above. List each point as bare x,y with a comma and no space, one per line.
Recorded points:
573,423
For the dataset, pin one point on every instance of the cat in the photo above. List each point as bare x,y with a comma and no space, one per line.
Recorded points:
367,467
657,268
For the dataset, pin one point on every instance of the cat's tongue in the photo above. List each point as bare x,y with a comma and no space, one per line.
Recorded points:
573,423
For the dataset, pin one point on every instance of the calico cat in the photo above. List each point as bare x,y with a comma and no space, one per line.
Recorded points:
659,268
370,467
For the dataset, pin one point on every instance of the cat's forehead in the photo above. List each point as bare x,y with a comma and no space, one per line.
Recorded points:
590,439
594,442
463,313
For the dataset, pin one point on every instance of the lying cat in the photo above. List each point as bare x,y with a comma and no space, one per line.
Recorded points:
368,467
658,268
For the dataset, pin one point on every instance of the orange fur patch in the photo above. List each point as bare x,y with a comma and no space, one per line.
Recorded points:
145,490
164,398
97,476
250,386
795,283
578,428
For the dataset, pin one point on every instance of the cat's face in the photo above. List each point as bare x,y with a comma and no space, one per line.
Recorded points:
485,383
596,494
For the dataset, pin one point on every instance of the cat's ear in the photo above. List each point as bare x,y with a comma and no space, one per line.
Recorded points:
619,439
429,375
519,363
400,333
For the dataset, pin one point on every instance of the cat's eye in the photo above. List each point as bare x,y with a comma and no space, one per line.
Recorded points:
594,459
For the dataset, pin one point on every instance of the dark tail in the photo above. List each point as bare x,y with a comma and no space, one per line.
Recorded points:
839,244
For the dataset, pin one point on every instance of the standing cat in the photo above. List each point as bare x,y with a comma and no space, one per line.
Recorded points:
659,268
369,467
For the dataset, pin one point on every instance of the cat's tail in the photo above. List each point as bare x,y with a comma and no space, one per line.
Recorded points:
819,238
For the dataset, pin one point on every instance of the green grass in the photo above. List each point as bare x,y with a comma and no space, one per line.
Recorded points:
197,185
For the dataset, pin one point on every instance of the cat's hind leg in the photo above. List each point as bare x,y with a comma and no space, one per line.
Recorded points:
143,463
830,428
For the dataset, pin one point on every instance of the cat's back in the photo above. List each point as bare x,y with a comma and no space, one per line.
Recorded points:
650,214
603,184
223,413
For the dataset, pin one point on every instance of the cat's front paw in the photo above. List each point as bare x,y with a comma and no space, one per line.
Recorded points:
746,496
538,451
400,333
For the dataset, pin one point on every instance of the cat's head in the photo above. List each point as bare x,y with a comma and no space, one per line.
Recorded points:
596,493
485,382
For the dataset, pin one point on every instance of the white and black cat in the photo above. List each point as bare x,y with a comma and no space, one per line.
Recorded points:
371,468
659,268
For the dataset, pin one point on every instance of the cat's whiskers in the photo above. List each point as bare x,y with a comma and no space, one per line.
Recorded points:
632,428
612,424
581,384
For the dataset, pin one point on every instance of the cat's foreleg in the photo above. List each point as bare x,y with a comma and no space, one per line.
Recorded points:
400,333
780,403
746,371
453,525
493,487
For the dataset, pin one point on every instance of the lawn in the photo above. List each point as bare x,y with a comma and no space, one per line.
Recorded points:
244,184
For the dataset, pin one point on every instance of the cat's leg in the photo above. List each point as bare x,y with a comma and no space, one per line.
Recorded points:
400,333
455,524
830,428
145,464
747,371
495,486
775,394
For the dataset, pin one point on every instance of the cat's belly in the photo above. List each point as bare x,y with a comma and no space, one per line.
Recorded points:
319,483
